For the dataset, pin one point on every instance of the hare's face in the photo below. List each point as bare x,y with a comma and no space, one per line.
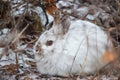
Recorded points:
46,43
51,41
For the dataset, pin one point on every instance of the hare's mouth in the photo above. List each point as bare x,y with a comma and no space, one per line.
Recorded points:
39,53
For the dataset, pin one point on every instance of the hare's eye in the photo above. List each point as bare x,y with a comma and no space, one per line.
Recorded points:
49,42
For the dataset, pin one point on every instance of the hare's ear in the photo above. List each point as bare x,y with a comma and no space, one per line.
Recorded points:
61,23
65,23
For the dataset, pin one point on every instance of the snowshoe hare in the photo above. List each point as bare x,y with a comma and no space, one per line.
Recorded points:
72,47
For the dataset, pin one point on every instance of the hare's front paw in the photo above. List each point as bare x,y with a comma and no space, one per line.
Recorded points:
45,67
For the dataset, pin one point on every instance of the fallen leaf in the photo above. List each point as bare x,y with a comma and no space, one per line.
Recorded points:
108,57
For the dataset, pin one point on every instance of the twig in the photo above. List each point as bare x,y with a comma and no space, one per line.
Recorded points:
17,65
20,34
43,8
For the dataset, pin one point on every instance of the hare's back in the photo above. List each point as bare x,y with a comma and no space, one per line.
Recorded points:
85,38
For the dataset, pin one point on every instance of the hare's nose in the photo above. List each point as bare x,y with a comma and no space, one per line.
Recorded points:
38,47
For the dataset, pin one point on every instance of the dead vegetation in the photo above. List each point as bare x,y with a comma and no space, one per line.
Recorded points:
24,27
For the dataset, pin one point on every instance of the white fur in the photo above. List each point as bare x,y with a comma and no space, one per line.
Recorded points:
80,50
